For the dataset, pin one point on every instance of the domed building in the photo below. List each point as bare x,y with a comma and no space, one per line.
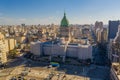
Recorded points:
65,29
64,21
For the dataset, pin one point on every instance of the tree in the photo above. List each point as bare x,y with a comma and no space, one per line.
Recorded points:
13,53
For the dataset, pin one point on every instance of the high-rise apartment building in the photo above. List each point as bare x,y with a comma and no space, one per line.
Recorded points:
98,25
3,57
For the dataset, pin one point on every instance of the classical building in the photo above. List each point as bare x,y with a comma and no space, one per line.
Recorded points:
65,45
65,29
78,51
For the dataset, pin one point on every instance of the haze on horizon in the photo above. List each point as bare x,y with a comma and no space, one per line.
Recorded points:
51,11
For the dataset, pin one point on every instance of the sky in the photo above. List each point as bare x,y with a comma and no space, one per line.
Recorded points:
51,11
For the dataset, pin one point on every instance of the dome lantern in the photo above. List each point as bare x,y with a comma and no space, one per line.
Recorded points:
64,21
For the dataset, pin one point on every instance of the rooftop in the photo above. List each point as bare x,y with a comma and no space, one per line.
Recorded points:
64,21
116,67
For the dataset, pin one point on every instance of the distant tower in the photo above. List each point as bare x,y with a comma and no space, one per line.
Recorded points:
23,25
98,25
113,28
64,28
64,21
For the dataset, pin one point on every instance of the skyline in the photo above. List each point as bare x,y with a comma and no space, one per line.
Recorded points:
52,11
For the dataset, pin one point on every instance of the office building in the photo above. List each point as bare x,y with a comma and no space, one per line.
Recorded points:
112,29
98,25
78,51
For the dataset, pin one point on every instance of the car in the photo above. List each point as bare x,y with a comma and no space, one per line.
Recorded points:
20,78
24,74
50,66
21,50
13,78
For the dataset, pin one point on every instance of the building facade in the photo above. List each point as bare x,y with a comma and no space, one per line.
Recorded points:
3,52
82,52
98,25
112,29
65,30
102,35
114,75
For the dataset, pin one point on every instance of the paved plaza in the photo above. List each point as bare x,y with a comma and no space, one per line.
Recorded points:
41,71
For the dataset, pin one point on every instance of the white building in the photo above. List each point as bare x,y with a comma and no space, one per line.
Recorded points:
35,48
75,50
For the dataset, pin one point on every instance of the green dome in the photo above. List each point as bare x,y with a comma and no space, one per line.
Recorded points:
64,21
